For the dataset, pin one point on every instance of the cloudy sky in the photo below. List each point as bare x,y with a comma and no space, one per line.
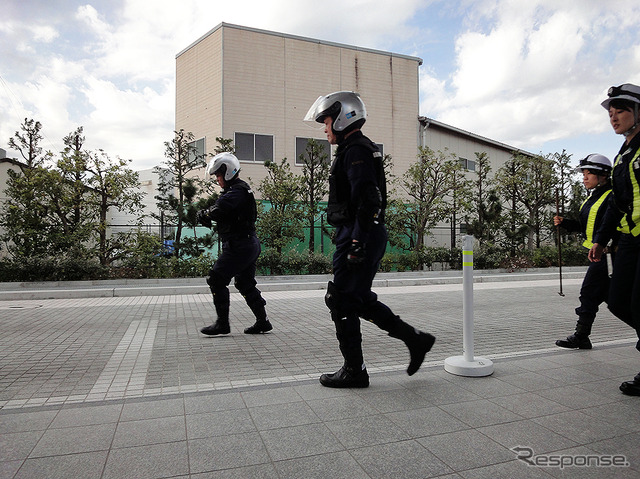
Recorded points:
529,74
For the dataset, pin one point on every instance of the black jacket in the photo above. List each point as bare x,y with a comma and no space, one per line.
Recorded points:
582,223
623,203
357,186
234,212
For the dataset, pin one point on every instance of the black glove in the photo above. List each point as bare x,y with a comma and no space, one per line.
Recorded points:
356,254
202,217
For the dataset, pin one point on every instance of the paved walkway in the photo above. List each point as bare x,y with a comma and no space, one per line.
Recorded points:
113,380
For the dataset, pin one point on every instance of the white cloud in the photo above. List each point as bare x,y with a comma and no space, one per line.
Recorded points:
528,73
525,73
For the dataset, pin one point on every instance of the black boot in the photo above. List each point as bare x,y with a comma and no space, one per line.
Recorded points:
631,388
260,326
346,377
578,340
219,327
419,346
418,342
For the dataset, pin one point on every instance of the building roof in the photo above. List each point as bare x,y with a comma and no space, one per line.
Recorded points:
296,37
427,122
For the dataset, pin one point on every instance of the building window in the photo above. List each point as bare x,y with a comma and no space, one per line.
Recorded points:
301,149
468,165
196,149
254,147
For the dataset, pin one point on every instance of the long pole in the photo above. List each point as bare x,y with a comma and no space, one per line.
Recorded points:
559,243
467,293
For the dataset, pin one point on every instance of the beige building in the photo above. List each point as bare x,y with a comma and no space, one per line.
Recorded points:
255,87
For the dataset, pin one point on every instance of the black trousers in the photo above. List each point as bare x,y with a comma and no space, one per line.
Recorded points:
354,298
624,293
237,261
594,292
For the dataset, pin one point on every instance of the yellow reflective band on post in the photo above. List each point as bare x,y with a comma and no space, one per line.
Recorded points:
469,255
591,221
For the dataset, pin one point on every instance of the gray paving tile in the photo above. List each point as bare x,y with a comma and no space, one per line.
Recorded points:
426,422
624,444
395,399
270,396
72,440
623,414
575,468
530,405
146,462
506,470
234,451
21,421
219,423
221,401
137,409
18,445
338,465
89,465
278,415
342,407
87,415
526,433
579,427
574,397
8,469
300,441
261,471
406,459
241,406
444,392
150,431
466,449
366,431
480,413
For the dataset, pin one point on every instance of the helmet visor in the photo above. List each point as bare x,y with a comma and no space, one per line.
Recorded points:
313,115
587,164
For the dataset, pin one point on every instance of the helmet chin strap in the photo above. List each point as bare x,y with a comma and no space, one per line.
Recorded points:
635,122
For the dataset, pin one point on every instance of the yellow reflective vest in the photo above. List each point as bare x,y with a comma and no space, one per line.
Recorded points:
630,222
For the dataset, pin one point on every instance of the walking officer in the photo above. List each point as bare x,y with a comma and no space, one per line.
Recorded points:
235,215
623,213
596,177
356,207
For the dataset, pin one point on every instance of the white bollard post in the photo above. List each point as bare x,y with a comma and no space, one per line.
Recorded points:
467,364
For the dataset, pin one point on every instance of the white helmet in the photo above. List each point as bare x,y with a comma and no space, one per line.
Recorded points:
595,162
628,95
626,91
345,108
225,163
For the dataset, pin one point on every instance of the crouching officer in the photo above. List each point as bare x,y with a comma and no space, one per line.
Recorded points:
356,207
235,214
596,177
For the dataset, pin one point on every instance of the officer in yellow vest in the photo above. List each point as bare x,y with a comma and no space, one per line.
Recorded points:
623,211
596,177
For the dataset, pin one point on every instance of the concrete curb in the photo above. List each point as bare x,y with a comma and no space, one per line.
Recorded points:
182,286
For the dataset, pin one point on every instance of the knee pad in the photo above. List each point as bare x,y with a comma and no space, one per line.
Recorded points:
339,303
332,297
216,282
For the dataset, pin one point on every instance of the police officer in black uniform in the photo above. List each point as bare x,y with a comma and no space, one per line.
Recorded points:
235,214
623,213
596,172
356,207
